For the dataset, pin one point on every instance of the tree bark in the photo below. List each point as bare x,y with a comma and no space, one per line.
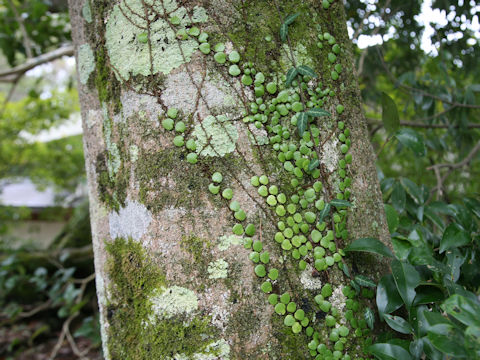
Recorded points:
174,281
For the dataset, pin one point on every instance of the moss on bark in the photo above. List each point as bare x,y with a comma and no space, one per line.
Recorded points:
134,332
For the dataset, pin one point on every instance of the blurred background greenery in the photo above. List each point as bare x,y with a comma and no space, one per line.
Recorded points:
420,56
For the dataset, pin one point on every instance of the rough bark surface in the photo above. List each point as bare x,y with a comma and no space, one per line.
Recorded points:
173,280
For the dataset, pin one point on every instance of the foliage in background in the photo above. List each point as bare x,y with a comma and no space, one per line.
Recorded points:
50,292
428,161
431,294
45,22
436,93
59,162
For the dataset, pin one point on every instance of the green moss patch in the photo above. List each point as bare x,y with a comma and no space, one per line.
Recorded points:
134,332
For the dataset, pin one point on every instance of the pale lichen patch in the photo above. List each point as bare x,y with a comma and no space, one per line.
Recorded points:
218,269
216,350
330,155
300,54
257,136
114,160
87,11
133,149
308,281
86,63
226,241
173,301
131,221
215,136
130,56
337,299
199,15
92,118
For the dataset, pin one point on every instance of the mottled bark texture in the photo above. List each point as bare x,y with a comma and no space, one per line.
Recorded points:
173,280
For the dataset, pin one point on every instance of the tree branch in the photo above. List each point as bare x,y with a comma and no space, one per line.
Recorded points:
451,168
460,164
11,75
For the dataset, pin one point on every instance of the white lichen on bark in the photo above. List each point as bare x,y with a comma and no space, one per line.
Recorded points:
218,269
215,136
131,221
173,301
130,55
86,63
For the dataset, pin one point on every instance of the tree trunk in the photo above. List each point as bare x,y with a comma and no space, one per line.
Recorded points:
184,272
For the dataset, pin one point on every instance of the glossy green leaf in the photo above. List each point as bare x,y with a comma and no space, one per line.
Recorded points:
324,213
454,261
370,245
291,18
365,281
464,310
441,208
418,321
401,247
398,197
392,217
283,32
472,339
450,343
435,318
412,189
454,236
438,266
390,118
419,213
431,351
386,184
313,164
412,140
388,299
291,75
385,351
416,237
463,216
317,112
431,215
473,205
407,279
302,123
474,87
420,255
306,71
369,317
416,348
398,323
